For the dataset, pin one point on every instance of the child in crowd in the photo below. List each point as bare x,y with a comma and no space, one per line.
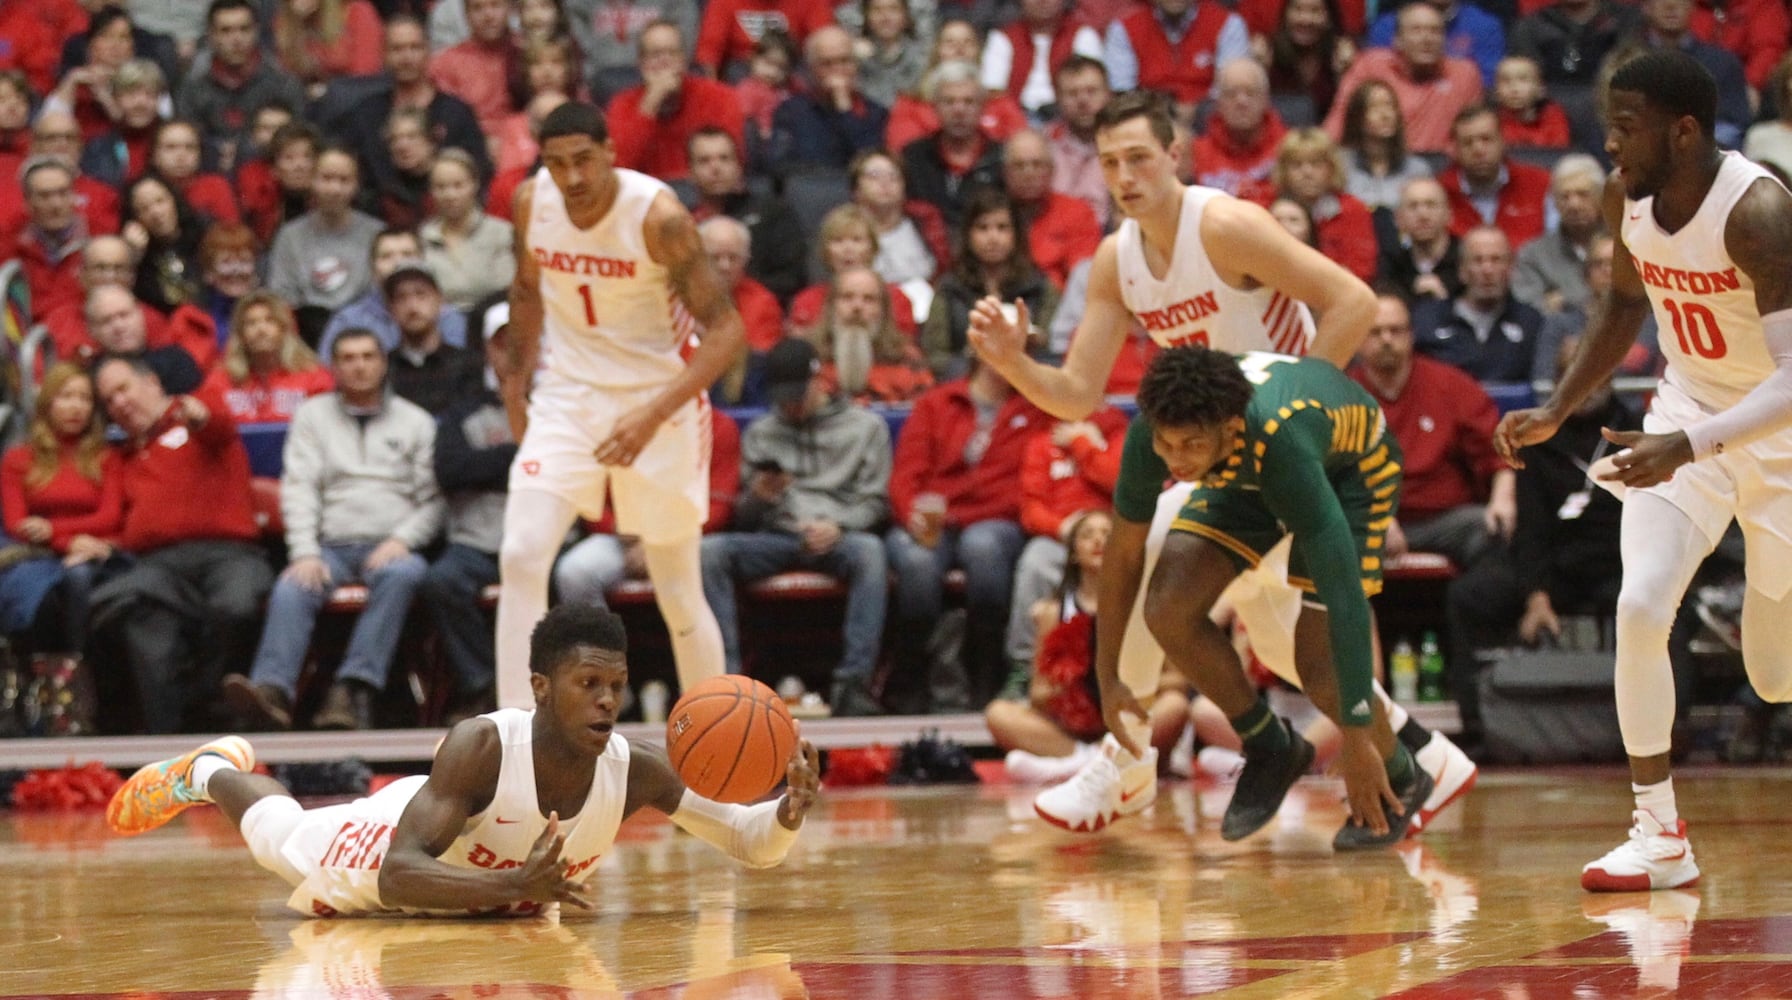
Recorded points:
1527,116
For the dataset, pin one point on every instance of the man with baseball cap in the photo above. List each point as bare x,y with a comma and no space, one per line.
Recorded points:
425,369
817,472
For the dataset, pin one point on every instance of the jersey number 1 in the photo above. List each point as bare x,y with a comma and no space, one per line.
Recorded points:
1695,327
591,308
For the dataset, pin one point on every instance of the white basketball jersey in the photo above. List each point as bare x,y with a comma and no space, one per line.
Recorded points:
1192,305
610,318
1705,306
342,858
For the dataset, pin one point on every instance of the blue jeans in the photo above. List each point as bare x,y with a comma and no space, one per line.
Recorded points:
987,552
450,590
292,614
589,569
857,560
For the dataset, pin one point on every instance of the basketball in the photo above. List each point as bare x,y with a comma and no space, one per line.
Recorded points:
730,738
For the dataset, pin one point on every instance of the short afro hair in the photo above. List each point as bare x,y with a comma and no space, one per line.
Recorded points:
570,626
1674,83
575,118
1193,387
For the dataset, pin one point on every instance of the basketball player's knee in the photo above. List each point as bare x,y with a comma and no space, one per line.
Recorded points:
521,557
1642,617
1165,613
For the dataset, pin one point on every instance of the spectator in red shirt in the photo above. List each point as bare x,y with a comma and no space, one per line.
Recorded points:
1244,133
105,260
729,245
953,503
278,190
54,134
1487,187
120,154
1174,46
15,121
732,27
118,323
85,91
848,239
1310,171
1430,86
864,356
174,157
1021,57
550,79
62,490
30,43
478,70
1061,231
1076,170
768,83
48,246
1755,31
650,124
1064,475
914,117
267,371
1527,116
198,569
318,40
1458,498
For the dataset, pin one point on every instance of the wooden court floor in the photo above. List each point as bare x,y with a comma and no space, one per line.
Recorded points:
961,893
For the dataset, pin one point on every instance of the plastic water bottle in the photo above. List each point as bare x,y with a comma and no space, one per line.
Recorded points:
1403,671
1431,669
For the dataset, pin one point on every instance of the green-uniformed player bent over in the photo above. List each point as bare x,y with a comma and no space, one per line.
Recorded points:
1279,445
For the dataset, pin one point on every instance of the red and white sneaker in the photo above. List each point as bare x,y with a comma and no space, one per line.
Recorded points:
1452,775
1113,783
1653,858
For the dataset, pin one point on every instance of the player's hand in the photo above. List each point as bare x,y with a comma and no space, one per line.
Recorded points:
542,878
309,573
999,343
802,779
385,554
1521,429
1365,780
631,434
1117,702
1650,459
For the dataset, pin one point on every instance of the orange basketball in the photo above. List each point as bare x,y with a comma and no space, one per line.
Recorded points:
730,738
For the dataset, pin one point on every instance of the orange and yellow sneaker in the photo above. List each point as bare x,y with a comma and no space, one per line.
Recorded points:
160,791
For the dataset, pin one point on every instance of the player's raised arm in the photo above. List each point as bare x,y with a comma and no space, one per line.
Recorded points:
525,317
461,784
757,836
1759,239
1075,390
1249,247
1620,315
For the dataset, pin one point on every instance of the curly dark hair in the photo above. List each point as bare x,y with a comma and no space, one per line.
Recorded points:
570,626
1193,387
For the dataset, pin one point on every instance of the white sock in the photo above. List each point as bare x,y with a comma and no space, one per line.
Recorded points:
1658,799
204,767
1397,715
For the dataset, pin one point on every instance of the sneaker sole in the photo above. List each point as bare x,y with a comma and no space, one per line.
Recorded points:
1599,880
1096,825
1423,819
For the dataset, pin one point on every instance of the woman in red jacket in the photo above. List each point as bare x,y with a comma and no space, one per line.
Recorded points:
1310,170
62,493
319,40
267,371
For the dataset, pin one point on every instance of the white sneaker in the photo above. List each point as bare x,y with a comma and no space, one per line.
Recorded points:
1111,784
1452,775
1036,769
1653,858
1219,762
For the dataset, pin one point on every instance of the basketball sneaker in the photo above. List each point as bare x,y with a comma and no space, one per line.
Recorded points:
1653,858
1356,838
160,791
1111,784
1036,769
1452,775
1263,783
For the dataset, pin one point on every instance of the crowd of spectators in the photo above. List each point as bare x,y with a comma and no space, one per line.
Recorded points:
235,213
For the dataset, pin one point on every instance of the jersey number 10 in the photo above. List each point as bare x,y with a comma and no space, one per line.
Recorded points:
1695,327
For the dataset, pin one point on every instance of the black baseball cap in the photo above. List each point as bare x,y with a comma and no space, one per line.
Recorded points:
788,368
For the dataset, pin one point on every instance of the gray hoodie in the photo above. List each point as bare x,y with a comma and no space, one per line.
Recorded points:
348,482
839,462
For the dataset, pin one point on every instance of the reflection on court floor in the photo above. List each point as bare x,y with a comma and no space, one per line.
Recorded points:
954,892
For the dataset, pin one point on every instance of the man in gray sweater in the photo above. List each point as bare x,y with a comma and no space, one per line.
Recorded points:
359,497
817,470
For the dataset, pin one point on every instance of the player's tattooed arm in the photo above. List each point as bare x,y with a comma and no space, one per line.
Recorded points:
525,317
673,240
1758,237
